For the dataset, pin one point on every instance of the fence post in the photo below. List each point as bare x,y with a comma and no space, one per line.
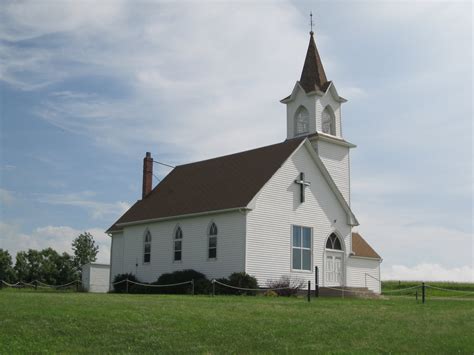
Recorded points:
36,285
213,288
192,283
316,281
416,296
309,290
423,292
127,286
77,285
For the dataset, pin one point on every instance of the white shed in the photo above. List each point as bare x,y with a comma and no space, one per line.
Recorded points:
96,277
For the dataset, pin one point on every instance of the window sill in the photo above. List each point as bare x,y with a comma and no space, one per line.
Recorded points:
211,259
177,261
302,271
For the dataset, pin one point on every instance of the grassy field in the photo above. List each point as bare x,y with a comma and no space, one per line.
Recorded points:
96,323
433,289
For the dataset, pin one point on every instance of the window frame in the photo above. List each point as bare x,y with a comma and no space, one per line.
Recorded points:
298,112
333,243
292,247
145,243
175,240
332,121
212,235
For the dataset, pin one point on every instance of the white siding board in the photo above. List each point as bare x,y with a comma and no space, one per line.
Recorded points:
277,207
230,247
117,255
95,277
336,161
357,268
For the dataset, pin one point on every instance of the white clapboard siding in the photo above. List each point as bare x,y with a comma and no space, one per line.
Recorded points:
278,207
230,247
336,159
364,272
95,277
116,255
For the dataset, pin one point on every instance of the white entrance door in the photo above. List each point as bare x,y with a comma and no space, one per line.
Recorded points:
333,270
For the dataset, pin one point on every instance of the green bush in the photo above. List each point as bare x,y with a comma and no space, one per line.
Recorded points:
122,286
200,284
237,279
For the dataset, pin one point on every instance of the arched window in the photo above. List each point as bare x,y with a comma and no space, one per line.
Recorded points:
301,120
328,121
178,244
333,242
147,247
212,245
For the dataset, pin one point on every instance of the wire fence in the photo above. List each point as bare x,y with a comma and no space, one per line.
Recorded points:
418,291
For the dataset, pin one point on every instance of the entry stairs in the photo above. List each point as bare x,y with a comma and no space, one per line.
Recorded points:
352,292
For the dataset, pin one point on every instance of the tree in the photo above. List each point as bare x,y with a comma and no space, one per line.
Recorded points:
7,273
85,250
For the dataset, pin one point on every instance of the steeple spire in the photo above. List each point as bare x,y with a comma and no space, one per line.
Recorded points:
313,76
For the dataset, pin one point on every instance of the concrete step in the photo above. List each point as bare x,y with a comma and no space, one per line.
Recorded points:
354,292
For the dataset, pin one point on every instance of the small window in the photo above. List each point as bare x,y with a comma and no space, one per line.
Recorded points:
333,242
178,244
147,247
301,121
301,248
328,121
212,247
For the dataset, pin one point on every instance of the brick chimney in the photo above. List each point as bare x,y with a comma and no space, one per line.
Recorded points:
147,174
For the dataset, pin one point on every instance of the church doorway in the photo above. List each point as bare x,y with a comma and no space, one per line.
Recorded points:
334,262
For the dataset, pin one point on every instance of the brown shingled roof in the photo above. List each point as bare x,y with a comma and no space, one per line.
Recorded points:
361,248
313,76
221,183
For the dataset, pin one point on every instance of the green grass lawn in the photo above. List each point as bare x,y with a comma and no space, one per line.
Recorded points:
463,290
96,323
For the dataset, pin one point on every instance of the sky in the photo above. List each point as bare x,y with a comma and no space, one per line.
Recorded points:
86,88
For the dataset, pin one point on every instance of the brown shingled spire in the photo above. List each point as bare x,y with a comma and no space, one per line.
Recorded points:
313,76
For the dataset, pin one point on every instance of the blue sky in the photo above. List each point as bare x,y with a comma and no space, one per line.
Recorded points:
86,88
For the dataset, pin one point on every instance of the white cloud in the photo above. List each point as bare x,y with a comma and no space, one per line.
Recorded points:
428,272
84,199
57,237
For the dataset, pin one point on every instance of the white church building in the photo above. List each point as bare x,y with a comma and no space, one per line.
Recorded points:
278,210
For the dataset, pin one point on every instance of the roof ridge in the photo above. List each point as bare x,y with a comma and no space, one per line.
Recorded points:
286,141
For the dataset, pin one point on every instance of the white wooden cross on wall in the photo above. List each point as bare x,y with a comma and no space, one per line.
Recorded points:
301,181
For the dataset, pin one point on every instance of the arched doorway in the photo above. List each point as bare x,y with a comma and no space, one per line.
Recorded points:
334,261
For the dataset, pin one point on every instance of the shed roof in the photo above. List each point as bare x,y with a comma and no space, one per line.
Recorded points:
361,248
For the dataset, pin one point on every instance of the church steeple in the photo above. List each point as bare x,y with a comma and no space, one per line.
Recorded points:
313,76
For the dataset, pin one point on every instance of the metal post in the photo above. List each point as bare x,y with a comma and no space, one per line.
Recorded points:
192,284
423,292
36,285
213,288
77,285
416,296
309,291
316,281
127,286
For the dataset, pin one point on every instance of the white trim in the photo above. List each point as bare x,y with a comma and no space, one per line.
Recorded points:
311,249
365,257
331,139
204,213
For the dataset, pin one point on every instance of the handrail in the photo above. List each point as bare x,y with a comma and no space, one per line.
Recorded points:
366,274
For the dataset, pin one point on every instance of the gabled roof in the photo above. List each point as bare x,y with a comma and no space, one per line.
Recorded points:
222,183
313,77
361,248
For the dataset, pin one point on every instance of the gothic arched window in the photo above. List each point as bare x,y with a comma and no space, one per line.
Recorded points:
212,242
178,244
333,242
147,247
328,121
301,120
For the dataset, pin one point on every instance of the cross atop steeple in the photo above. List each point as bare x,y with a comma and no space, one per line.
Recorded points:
311,23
